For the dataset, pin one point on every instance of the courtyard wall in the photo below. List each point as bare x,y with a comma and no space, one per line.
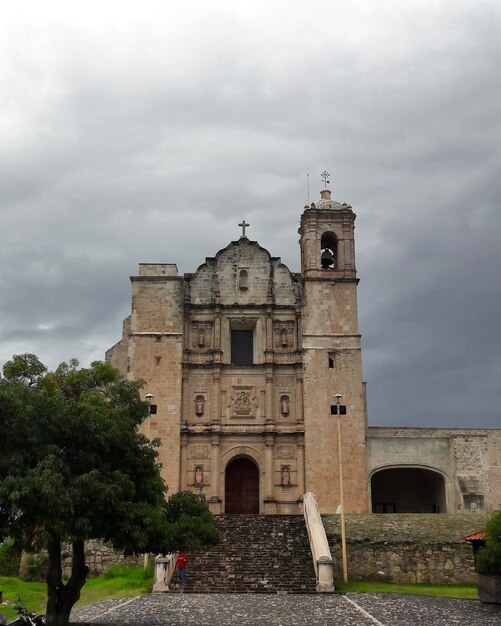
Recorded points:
406,548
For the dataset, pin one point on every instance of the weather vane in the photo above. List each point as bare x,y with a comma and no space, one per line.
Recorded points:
325,177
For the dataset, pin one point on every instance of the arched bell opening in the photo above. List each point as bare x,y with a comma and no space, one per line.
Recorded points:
328,255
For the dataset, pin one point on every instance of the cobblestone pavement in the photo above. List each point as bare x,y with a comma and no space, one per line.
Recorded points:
351,609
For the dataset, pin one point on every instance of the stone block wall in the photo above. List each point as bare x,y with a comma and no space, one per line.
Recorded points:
99,557
400,563
406,548
332,364
494,460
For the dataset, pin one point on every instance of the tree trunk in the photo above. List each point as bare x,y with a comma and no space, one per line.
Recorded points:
54,577
61,597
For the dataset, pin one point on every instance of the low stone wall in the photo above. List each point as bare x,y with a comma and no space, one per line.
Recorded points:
405,548
99,557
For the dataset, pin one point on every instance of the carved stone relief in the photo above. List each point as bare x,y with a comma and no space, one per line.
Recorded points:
198,451
243,402
286,452
200,383
284,382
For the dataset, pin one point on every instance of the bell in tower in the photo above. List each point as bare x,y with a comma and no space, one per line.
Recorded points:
327,239
327,259
328,245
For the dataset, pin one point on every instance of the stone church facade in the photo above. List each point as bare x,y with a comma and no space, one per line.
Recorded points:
243,359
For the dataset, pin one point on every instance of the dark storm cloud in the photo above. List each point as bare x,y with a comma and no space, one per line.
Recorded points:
131,137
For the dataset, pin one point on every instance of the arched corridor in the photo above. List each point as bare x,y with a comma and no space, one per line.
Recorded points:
408,490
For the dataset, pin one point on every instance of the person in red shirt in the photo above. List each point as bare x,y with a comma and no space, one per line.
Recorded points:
181,562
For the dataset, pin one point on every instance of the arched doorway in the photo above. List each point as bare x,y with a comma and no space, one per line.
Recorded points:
408,490
241,487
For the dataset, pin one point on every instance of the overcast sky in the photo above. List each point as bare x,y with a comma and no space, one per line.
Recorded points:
144,132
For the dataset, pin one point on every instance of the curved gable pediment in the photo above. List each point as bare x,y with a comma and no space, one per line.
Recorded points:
242,273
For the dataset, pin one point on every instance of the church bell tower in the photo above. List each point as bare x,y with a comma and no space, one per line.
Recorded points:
332,356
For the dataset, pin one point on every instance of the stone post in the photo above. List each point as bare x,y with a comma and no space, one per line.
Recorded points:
164,569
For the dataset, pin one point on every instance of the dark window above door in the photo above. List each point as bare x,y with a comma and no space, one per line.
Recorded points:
242,347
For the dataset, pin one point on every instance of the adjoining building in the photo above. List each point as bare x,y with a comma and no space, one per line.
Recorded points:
243,359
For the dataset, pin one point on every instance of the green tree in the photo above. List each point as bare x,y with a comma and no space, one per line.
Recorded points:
74,466
488,559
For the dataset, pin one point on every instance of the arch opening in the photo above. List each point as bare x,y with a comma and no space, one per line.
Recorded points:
241,487
408,490
328,251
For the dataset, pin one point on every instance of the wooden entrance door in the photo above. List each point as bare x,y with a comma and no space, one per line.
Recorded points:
241,491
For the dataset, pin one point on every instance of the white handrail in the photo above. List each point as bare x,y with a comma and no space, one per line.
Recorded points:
319,546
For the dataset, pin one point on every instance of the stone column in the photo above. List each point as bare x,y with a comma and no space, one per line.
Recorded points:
187,332
262,404
184,462
348,247
216,498
222,404
269,332
216,395
299,401
342,261
270,441
268,341
217,330
269,398
300,466
186,408
299,337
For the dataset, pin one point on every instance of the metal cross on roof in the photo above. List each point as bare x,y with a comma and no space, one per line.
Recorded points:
325,177
244,225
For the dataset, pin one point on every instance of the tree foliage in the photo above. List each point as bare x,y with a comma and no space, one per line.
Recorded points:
190,522
488,559
74,466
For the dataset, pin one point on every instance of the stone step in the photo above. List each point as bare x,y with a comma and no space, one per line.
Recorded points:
257,554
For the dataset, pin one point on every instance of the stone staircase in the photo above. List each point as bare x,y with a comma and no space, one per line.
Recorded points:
257,554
